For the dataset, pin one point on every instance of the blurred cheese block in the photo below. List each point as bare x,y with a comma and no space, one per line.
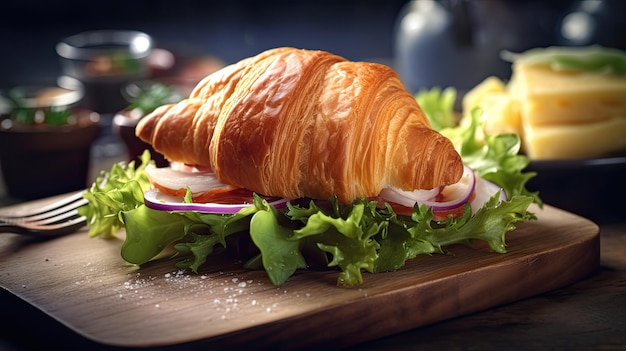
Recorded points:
501,113
575,141
564,103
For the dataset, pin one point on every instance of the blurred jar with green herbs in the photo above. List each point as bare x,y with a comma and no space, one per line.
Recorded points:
45,140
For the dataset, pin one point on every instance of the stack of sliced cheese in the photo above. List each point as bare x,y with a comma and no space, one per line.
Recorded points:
564,103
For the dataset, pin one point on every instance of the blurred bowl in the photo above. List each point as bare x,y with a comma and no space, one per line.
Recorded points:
592,188
45,139
104,61
106,54
65,92
124,124
142,97
181,88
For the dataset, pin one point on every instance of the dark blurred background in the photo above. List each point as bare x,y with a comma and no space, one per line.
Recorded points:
230,30
359,30
430,43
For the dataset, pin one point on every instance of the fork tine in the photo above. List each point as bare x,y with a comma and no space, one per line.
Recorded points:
64,210
51,230
58,218
47,220
55,207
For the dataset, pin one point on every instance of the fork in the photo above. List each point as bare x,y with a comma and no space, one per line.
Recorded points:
58,218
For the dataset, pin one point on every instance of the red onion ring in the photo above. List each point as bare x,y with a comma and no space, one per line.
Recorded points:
458,193
156,200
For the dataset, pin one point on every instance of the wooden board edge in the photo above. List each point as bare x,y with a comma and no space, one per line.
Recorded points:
581,259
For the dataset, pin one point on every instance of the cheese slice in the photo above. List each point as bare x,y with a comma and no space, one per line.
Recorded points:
564,103
571,141
566,97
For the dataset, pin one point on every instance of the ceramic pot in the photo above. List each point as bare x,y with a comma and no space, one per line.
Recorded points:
41,161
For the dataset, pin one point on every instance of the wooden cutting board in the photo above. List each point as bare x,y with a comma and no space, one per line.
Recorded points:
84,284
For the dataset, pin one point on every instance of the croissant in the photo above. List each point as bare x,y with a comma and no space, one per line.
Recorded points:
303,123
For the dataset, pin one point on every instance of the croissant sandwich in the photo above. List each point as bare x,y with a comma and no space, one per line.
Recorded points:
305,124
303,159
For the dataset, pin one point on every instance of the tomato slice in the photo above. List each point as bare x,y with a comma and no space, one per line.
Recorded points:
225,195
438,214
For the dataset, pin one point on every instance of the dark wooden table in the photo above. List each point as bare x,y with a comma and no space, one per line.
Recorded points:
587,315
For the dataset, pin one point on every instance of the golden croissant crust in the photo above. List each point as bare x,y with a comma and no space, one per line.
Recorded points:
301,123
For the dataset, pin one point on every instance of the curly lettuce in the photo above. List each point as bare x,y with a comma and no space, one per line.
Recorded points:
114,192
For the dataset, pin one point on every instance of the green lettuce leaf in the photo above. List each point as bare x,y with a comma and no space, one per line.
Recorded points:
593,59
207,230
148,233
119,190
438,106
348,240
280,253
